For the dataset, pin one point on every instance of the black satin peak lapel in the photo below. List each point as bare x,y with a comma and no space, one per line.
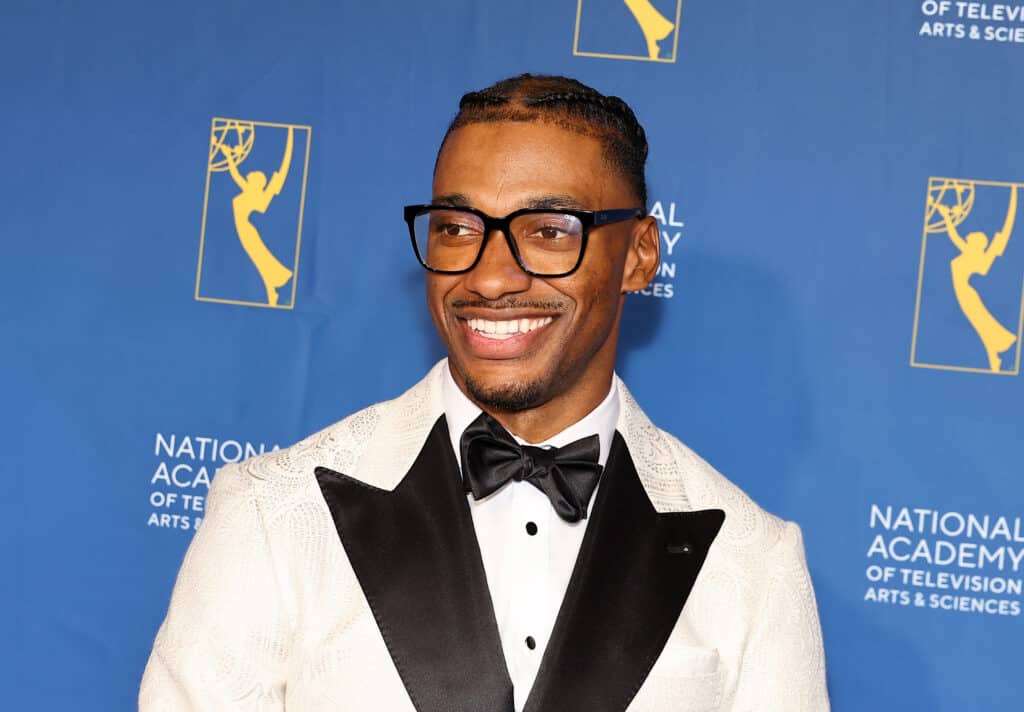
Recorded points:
415,553
634,572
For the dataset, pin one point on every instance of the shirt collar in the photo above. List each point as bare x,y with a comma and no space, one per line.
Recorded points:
460,411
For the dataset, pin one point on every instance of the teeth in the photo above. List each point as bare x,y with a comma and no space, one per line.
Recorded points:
507,328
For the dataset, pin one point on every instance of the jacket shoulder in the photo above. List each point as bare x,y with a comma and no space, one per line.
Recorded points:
338,447
749,529
376,444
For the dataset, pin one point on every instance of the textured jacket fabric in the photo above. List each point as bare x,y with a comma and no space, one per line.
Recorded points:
268,613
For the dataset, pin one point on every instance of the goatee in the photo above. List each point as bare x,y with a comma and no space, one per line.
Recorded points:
508,398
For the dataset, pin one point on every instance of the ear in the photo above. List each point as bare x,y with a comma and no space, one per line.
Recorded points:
643,256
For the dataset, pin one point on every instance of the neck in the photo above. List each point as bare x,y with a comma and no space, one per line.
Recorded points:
567,400
538,424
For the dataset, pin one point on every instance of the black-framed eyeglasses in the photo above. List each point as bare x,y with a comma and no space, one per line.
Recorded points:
544,242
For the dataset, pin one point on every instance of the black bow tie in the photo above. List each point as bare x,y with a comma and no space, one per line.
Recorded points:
567,475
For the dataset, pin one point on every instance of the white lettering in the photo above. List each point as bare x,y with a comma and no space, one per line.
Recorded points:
658,212
670,242
672,216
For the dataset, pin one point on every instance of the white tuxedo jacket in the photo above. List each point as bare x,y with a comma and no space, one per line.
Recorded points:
343,575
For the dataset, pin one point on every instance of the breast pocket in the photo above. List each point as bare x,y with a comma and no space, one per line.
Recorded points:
684,679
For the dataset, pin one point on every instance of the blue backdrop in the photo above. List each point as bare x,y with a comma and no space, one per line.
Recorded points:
836,323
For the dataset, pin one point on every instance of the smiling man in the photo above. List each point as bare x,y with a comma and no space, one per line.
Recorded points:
512,533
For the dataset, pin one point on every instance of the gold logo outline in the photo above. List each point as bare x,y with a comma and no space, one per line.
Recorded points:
603,55
298,236
932,180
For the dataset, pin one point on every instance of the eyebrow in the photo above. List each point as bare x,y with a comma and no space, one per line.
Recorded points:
452,200
566,202
537,202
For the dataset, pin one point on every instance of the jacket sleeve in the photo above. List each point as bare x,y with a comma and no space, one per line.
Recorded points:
224,644
783,668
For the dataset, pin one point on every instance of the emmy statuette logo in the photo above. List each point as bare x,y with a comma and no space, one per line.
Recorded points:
252,223
645,30
970,303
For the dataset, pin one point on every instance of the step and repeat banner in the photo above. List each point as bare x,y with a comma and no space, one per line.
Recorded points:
206,260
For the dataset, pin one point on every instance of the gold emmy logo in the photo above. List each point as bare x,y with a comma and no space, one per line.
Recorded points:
949,204
655,27
232,145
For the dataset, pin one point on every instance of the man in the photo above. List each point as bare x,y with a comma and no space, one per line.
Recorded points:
446,550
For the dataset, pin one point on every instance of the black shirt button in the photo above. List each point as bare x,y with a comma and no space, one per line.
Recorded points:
530,642
531,528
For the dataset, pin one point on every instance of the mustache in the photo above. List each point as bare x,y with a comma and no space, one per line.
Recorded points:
510,303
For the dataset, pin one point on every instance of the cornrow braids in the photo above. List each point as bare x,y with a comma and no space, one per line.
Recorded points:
571,105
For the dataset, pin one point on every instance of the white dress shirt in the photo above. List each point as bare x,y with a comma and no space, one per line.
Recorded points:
527,549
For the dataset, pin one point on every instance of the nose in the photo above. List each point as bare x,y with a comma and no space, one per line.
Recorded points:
497,273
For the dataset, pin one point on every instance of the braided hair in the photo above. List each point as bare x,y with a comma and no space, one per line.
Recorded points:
571,105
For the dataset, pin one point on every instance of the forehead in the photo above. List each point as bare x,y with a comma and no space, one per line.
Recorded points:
501,166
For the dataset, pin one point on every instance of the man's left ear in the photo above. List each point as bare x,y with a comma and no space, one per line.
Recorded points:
643,256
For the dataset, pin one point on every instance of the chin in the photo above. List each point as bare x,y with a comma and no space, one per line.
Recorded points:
509,397
503,387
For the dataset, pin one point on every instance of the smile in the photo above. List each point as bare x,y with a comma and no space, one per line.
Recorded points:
508,328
